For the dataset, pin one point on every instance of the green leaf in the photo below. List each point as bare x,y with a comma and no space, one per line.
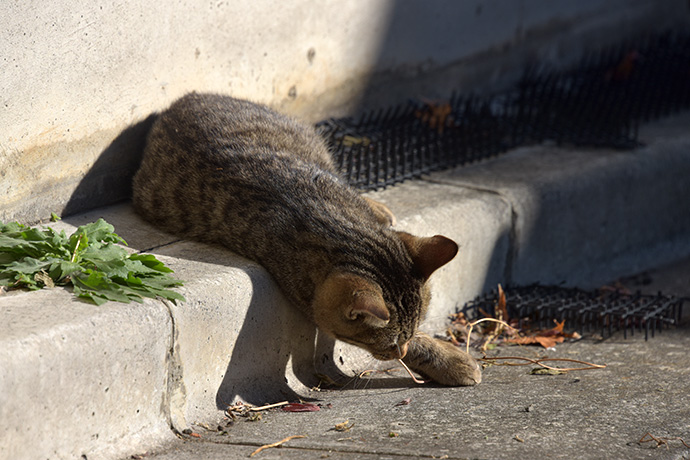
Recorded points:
35,234
13,241
6,279
89,295
90,259
24,280
98,252
7,257
99,285
100,231
61,269
150,261
11,227
28,265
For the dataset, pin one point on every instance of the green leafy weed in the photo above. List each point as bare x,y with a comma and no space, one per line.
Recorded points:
91,260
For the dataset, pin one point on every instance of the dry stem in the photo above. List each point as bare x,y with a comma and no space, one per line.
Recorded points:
473,323
268,406
276,444
243,409
539,362
660,441
415,379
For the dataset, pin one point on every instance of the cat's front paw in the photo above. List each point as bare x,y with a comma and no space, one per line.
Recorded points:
461,368
442,362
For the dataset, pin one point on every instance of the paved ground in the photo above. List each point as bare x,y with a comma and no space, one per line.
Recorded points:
644,390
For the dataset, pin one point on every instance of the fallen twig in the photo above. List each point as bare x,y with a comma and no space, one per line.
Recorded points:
415,379
540,362
660,441
474,323
244,409
276,444
268,406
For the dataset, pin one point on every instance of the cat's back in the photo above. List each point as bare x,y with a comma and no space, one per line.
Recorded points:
212,159
209,157
207,127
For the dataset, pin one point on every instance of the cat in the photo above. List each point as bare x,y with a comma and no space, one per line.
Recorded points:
236,173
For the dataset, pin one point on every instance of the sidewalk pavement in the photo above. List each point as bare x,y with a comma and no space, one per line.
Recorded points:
594,414
80,381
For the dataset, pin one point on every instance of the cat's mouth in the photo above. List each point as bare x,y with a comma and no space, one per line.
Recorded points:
396,352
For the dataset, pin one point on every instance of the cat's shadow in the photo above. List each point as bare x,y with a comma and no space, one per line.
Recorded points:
278,354
277,351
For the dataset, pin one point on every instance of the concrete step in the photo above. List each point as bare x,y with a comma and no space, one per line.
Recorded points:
103,382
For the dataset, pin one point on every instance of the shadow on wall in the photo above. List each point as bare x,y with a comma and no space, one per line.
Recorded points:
110,179
274,343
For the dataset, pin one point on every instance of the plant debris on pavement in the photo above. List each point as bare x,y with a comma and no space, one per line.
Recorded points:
503,329
499,330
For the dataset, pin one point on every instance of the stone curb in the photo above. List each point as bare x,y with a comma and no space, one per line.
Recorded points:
107,381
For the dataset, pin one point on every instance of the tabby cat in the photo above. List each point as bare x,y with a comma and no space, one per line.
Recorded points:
229,171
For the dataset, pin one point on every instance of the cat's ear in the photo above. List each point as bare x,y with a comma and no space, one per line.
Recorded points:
370,306
429,253
344,298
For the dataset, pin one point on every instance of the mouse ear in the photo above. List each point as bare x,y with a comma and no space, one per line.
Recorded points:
429,253
370,306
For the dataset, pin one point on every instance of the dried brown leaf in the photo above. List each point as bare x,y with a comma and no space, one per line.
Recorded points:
501,307
545,371
345,426
436,115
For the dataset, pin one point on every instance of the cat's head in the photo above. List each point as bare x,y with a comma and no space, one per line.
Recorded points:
382,319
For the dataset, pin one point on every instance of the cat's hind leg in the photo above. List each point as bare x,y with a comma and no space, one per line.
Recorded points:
383,214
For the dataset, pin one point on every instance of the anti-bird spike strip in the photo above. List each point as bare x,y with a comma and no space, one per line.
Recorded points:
598,103
610,310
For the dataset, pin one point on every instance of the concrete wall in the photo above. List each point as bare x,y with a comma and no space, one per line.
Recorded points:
80,77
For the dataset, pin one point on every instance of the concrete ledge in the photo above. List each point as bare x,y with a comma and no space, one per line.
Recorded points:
110,380
78,379
584,216
234,338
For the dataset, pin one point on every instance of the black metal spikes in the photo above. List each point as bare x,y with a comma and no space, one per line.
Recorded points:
584,311
598,103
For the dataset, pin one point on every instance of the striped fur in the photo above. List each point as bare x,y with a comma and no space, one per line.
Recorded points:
231,172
